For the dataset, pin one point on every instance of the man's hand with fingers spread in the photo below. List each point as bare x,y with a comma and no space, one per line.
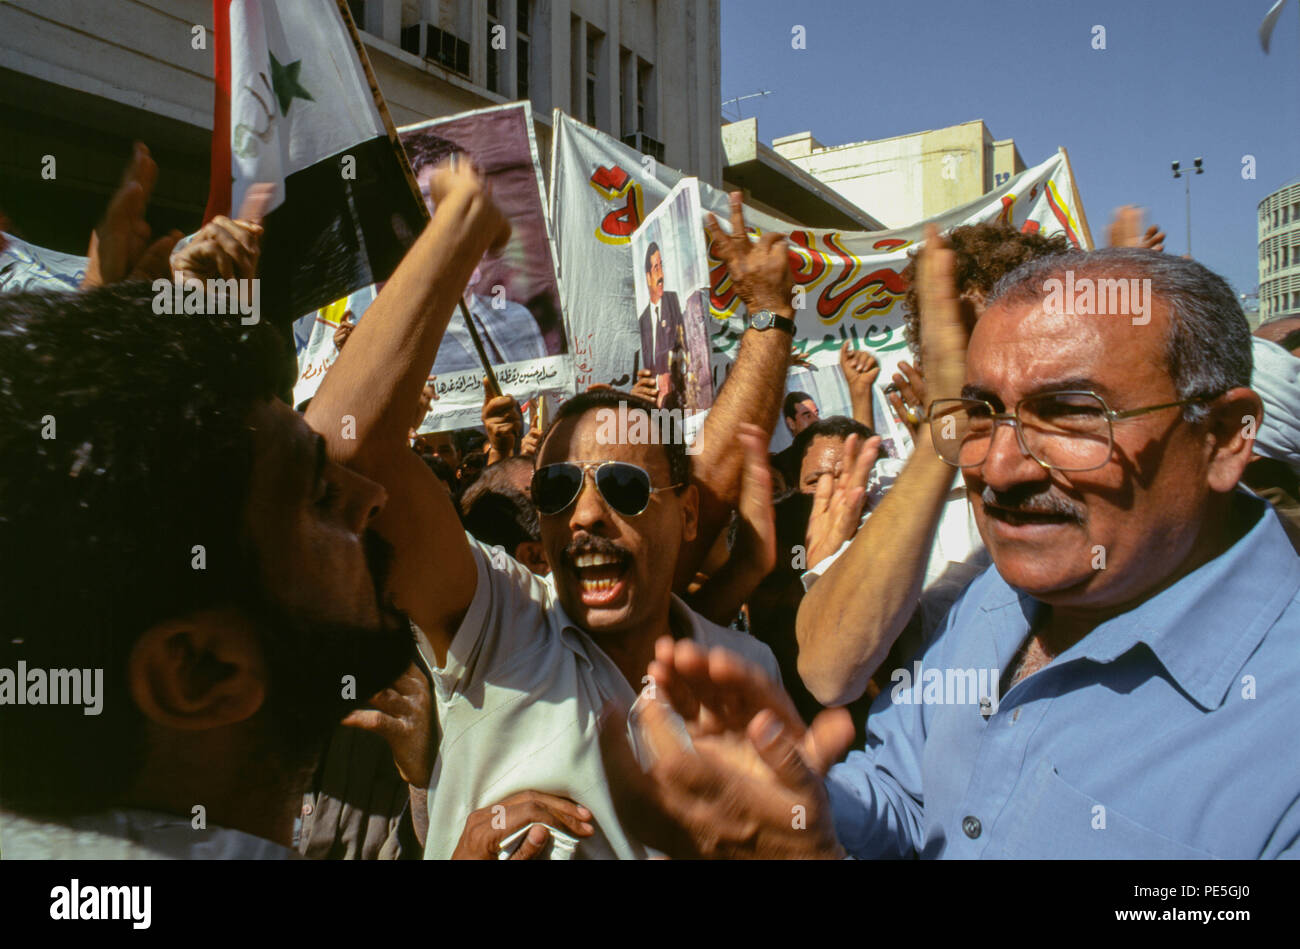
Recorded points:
402,715
488,826
121,246
760,270
751,785
839,499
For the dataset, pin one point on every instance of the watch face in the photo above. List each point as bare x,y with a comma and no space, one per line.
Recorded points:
762,319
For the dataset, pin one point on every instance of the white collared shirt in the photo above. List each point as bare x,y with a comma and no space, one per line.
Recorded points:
519,699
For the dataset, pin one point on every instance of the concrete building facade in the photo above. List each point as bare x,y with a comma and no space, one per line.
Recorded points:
81,80
1279,253
904,179
776,185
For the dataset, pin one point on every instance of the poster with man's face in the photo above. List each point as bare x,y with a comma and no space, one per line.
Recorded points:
671,281
513,297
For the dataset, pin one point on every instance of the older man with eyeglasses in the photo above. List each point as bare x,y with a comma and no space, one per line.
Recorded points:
1143,613
1122,683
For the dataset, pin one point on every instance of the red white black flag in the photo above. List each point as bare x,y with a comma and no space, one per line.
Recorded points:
294,107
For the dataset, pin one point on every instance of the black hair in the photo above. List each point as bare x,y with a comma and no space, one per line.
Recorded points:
497,512
835,426
673,441
792,400
650,251
424,149
125,444
468,440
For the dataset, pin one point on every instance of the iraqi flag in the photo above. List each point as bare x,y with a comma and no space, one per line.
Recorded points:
294,108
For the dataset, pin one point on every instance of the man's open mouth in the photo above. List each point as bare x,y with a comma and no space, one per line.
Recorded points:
601,576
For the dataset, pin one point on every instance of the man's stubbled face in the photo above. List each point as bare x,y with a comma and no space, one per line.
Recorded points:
613,573
1140,513
322,604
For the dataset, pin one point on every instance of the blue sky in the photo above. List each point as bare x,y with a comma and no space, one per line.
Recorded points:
1177,80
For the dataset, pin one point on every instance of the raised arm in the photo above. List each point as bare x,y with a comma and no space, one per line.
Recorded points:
364,407
760,272
851,617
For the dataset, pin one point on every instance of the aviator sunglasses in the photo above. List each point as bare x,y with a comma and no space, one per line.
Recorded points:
625,487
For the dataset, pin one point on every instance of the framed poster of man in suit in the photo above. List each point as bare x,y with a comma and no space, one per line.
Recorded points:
672,299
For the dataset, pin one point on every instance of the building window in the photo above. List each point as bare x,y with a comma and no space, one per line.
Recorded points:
644,89
593,57
625,118
358,10
523,45
493,57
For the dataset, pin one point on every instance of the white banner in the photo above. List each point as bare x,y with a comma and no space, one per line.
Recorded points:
601,191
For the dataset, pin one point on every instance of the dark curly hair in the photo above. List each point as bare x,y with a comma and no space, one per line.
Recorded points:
985,254
125,442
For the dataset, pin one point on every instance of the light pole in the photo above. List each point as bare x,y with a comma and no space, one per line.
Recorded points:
1188,188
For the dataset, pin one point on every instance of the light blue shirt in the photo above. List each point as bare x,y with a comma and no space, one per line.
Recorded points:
1171,731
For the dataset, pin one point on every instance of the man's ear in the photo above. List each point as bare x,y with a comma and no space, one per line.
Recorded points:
1235,418
690,513
198,672
532,555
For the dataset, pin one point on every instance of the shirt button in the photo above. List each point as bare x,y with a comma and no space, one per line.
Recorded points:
970,826
306,810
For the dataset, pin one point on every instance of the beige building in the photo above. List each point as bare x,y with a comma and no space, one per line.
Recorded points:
80,79
1279,253
904,179
776,185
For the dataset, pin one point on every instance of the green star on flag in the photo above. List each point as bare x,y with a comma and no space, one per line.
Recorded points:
284,79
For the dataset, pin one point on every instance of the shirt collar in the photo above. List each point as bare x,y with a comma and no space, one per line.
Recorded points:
1204,627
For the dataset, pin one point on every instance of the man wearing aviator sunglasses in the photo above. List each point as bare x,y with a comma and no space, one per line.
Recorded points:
522,667
625,487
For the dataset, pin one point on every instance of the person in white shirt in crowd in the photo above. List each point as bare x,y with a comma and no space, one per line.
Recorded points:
522,666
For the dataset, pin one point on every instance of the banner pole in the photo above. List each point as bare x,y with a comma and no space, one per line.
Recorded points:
1078,201
494,387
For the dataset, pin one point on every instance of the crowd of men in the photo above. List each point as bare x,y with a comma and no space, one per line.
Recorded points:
1067,624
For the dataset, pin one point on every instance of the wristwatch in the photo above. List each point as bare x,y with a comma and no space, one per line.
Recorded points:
766,320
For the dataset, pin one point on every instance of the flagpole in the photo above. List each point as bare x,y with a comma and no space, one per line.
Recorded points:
1078,201
494,387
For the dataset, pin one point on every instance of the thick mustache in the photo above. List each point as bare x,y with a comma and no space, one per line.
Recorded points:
1031,500
591,544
